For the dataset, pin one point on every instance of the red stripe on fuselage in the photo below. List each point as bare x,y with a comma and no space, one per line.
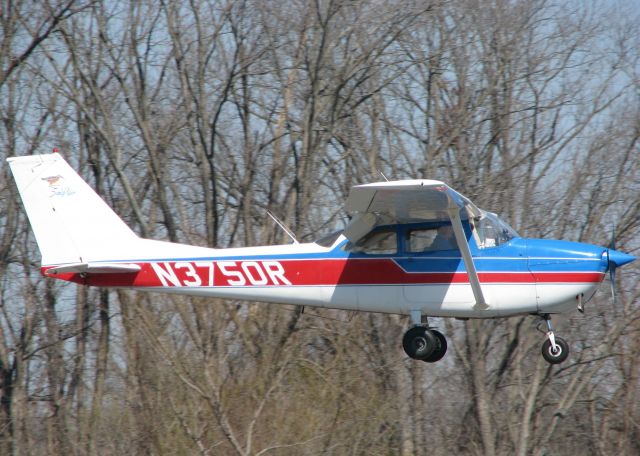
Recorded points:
325,272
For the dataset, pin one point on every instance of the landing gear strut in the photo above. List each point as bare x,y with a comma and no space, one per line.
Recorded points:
423,343
554,349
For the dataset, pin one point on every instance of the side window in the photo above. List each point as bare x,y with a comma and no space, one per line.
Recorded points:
420,240
431,239
376,243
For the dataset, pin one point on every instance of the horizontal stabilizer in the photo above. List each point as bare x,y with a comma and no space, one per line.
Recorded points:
95,268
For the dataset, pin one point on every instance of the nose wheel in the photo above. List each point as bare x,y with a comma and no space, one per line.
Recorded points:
555,355
554,349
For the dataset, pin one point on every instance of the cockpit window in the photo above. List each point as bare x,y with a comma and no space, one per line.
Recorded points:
492,231
329,239
431,239
377,243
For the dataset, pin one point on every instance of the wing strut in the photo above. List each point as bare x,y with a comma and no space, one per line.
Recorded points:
463,245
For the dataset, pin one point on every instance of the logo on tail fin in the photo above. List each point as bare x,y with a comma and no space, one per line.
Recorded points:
57,187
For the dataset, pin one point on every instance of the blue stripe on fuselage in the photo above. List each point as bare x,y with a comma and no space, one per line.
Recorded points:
517,255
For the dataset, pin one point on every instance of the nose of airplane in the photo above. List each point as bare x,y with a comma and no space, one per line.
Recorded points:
619,258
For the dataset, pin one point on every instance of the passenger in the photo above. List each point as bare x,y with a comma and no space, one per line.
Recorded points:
445,239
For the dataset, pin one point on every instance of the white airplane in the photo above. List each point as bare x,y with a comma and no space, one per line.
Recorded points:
412,247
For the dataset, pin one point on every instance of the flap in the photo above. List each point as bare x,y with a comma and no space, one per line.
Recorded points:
359,226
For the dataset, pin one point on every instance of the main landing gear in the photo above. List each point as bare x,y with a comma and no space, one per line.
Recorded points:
554,349
429,345
423,343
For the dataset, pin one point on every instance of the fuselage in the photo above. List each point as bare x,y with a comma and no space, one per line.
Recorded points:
394,274
414,247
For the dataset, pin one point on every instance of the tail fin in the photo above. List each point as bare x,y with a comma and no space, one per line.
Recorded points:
71,223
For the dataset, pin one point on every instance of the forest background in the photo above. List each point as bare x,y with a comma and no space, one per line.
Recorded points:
194,118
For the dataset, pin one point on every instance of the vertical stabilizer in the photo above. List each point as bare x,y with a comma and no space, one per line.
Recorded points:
71,223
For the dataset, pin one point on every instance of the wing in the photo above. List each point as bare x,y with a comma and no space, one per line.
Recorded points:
410,201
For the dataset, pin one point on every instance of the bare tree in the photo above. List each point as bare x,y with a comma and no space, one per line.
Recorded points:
193,119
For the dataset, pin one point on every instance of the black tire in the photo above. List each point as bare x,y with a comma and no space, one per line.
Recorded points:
440,350
558,356
419,342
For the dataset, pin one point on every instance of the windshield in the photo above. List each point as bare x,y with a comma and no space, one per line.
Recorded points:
492,231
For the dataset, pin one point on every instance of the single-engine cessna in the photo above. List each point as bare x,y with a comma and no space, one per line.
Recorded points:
412,247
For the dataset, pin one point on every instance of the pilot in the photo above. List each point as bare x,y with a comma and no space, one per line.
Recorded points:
445,239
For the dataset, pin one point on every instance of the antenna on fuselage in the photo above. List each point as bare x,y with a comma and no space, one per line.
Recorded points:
383,176
283,226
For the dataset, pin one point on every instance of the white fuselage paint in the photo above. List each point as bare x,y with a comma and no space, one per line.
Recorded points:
457,299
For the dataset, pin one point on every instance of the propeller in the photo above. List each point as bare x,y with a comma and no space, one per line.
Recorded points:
612,266
612,281
616,259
